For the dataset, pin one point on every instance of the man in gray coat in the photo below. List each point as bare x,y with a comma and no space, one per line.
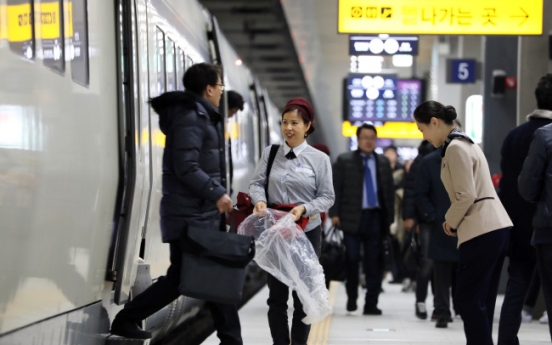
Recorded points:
363,209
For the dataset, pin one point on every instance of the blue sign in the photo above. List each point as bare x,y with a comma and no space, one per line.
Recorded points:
462,71
383,45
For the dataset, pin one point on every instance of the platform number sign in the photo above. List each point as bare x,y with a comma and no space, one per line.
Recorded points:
462,71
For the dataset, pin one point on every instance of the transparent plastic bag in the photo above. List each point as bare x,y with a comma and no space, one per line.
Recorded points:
284,251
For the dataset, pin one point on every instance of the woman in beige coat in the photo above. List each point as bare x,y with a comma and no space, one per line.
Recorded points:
476,216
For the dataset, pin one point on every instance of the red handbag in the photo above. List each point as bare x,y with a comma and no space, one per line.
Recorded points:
244,207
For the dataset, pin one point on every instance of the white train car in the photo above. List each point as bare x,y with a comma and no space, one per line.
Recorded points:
81,153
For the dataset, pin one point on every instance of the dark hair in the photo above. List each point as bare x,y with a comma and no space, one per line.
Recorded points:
235,100
457,123
425,111
301,113
543,92
391,147
366,126
198,76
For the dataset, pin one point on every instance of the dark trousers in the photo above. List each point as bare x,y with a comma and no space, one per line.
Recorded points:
277,305
534,289
425,270
520,275
165,290
479,267
544,264
443,273
369,236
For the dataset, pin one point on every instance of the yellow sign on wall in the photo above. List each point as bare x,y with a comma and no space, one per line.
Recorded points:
467,17
389,130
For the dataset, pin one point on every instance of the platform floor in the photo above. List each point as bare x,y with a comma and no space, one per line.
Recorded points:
397,326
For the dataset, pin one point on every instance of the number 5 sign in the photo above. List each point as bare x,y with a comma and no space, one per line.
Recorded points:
461,71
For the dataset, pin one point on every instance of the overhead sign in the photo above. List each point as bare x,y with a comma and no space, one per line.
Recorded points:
382,45
468,17
462,71
391,130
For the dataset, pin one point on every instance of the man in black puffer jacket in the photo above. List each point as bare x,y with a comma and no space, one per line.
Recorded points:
522,255
535,185
194,177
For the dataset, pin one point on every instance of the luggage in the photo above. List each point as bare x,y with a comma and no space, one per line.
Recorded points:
213,264
333,258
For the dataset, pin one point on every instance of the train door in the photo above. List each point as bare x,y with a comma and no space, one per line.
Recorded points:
136,152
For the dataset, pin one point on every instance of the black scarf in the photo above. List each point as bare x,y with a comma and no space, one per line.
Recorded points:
454,134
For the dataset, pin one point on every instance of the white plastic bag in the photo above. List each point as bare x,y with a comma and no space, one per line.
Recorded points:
284,251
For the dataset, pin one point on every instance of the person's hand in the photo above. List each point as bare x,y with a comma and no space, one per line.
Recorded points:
448,230
224,204
298,211
408,224
260,208
336,221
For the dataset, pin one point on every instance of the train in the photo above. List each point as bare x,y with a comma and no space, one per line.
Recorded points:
81,159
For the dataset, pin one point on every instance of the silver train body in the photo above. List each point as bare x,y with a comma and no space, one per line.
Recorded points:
81,153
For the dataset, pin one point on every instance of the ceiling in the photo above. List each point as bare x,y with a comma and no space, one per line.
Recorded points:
259,32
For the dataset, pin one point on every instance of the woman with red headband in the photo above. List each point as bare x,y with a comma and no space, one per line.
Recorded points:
300,175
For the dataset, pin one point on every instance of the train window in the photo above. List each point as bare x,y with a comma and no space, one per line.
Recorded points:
52,34
171,68
160,61
20,27
180,68
78,33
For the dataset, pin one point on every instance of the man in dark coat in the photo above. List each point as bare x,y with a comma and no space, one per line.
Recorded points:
432,201
522,255
363,209
535,185
193,193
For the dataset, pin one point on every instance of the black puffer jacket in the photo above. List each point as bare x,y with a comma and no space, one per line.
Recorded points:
193,161
348,177
409,202
535,183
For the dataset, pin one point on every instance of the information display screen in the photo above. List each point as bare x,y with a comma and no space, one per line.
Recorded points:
409,96
371,98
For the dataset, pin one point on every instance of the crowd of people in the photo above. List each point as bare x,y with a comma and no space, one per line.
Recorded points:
438,218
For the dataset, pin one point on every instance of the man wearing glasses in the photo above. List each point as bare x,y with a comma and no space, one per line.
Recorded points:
194,194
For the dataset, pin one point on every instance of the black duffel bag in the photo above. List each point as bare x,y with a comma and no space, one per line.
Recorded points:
333,257
213,264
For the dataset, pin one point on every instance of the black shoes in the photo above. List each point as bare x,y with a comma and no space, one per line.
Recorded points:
128,329
371,310
442,322
421,311
351,305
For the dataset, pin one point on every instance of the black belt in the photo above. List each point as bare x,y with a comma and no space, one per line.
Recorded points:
371,210
481,199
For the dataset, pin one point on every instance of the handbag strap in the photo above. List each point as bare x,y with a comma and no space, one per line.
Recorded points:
271,157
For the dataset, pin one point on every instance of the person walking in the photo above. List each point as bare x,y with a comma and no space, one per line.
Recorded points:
523,261
302,176
193,194
535,185
433,202
364,210
475,216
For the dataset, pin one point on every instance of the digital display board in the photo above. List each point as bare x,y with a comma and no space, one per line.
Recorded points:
468,17
372,98
383,45
409,96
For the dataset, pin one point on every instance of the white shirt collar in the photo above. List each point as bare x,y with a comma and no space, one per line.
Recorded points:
297,150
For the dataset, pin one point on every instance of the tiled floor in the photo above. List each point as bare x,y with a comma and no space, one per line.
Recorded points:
397,325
